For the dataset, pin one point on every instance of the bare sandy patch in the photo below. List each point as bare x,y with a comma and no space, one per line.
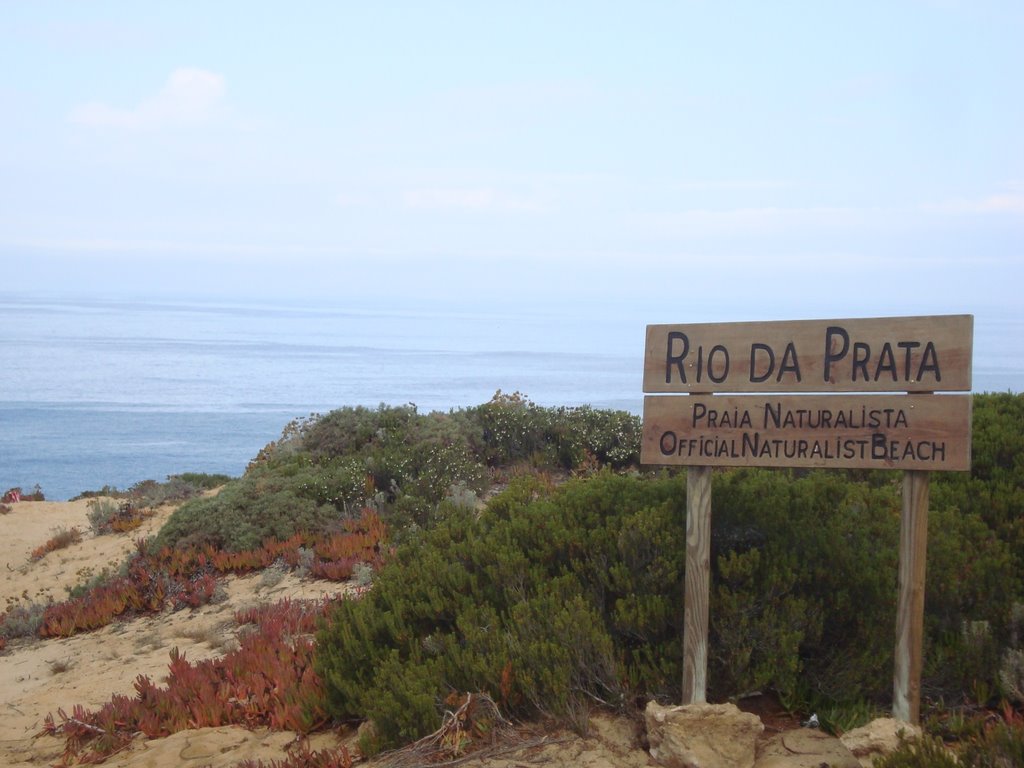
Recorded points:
30,524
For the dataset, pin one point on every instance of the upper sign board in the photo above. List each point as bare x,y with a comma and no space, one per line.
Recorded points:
898,354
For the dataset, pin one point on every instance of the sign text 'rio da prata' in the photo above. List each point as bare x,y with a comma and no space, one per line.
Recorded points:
877,355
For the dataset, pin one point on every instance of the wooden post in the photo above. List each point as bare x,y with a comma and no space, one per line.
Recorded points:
697,587
906,693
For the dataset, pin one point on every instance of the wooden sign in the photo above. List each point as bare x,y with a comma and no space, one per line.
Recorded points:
902,354
850,431
696,428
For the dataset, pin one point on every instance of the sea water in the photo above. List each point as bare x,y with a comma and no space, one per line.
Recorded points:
98,392
104,392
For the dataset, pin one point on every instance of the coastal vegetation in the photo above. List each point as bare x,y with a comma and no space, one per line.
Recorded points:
522,552
62,537
151,493
267,681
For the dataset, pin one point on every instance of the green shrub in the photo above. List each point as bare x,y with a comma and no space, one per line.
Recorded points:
994,488
758,624
969,596
549,600
108,491
101,512
203,480
260,506
926,752
394,459
803,595
21,620
514,429
94,581
611,437
150,493
976,554
1001,746
406,706
813,608
348,431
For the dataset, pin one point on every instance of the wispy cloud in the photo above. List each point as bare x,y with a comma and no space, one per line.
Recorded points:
189,96
990,204
114,245
1010,201
465,198
437,197
733,185
749,221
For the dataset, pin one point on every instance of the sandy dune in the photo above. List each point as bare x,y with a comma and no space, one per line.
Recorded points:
38,677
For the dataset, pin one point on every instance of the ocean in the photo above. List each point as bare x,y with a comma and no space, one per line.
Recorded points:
98,391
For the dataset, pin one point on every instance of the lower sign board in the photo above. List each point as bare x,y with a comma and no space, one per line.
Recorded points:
908,432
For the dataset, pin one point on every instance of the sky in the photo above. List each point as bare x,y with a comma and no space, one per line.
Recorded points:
703,159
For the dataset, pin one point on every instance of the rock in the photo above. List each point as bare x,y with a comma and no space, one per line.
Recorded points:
702,735
805,748
877,738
